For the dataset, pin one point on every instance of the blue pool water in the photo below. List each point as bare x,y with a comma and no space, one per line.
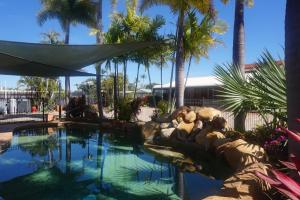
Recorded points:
81,163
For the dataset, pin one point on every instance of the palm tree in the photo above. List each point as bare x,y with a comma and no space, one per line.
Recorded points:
99,38
67,12
292,59
238,53
180,7
199,39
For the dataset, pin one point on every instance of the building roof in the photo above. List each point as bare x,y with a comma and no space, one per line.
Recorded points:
253,66
203,81
206,81
143,90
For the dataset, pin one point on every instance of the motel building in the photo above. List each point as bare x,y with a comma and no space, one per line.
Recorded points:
199,91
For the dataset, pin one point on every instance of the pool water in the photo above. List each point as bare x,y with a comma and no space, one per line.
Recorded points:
81,163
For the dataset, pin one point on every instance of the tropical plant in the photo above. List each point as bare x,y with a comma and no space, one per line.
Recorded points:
162,107
182,8
46,89
51,37
264,90
238,51
200,38
283,183
67,12
99,39
129,109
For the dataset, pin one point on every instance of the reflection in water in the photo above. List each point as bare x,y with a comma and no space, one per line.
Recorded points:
76,163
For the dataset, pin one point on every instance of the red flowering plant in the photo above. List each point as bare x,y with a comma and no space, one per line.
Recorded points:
276,145
286,183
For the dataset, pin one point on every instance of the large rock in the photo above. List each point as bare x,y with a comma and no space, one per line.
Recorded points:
218,123
150,129
179,112
165,118
186,127
165,125
240,154
207,113
244,185
166,153
166,133
207,140
189,117
198,126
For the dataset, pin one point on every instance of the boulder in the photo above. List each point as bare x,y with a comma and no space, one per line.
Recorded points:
207,113
180,111
189,117
240,154
244,184
165,125
175,123
218,123
150,129
186,127
207,140
220,141
198,126
167,153
166,133
164,118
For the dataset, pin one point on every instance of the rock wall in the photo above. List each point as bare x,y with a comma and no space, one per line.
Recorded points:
205,127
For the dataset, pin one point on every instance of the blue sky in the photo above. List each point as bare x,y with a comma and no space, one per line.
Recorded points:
264,27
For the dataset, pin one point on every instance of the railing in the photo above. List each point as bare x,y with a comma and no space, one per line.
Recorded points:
203,102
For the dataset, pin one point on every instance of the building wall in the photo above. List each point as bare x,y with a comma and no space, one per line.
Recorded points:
195,96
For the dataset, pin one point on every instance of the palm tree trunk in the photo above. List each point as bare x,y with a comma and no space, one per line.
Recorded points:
124,79
98,90
137,80
117,80
67,78
98,66
170,87
179,78
149,77
188,72
292,60
161,74
238,55
170,99
115,91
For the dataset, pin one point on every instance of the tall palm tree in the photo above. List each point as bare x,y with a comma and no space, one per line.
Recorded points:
292,59
200,38
180,7
67,12
238,51
99,39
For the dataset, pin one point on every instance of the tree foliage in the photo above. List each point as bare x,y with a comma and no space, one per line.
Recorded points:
263,90
68,12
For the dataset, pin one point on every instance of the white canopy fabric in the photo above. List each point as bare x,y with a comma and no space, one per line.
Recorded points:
45,60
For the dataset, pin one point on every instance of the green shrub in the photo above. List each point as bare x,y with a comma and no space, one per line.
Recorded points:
162,107
128,109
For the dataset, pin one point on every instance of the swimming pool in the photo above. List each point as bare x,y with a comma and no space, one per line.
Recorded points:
84,163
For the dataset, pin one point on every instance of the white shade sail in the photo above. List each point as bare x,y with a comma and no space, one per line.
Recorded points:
34,59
